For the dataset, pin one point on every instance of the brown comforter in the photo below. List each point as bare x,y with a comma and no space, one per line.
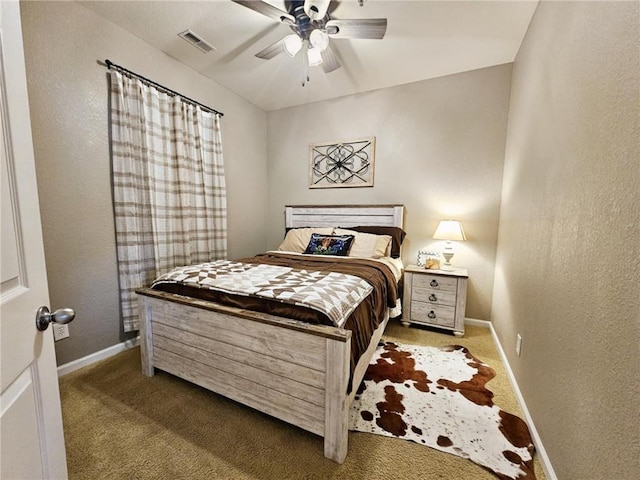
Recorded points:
362,322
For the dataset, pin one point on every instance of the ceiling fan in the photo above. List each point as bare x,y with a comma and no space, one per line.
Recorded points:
313,28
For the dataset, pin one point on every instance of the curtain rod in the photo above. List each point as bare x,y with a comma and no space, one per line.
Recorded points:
109,64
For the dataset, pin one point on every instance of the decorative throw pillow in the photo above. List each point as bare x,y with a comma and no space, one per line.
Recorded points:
297,239
329,244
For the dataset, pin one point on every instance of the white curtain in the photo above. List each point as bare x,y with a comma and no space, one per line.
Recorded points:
169,190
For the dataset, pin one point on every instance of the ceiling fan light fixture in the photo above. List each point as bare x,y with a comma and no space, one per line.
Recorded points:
316,9
313,27
292,44
315,57
319,39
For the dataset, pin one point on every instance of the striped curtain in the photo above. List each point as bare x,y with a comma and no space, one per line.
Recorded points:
169,190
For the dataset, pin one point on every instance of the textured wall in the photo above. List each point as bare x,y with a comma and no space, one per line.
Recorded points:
68,99
567,274
439,151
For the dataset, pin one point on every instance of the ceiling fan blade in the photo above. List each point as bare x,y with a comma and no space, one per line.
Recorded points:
330,61
373,28
271,51
268,10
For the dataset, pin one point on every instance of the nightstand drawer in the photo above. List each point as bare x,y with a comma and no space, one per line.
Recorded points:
435,282
433,314
437,297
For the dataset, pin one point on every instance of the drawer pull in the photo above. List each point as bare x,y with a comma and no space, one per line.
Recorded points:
433,298
434,283
431,314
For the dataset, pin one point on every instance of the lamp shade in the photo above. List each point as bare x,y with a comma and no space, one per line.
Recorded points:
316,9
292,44
319,39
315,57
449,230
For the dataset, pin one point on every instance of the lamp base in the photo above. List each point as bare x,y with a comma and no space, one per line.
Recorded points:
446,266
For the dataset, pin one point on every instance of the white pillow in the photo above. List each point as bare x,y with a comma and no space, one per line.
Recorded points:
297,239
367,244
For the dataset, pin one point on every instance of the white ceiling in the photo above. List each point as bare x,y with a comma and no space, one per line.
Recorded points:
424,39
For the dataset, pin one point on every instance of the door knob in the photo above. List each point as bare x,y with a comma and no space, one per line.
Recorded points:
44,317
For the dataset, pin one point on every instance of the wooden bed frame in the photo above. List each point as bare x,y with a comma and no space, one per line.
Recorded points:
294,371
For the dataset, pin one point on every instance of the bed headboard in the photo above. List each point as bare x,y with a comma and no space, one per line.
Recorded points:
297,216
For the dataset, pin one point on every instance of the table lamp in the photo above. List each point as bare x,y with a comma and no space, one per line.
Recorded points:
449,230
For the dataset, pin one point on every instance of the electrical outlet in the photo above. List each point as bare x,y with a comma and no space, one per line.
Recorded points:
518,344
60,331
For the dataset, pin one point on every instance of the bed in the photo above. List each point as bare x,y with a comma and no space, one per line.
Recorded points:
302,373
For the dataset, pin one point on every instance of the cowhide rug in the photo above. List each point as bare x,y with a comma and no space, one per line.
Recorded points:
437,397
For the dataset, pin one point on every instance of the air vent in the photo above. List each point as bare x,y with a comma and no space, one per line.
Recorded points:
195,40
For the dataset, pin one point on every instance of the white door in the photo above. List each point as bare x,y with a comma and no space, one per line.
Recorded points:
32,440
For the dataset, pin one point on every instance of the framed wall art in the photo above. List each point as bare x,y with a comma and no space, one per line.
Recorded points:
342,164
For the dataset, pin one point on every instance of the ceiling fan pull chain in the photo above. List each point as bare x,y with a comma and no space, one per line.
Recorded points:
305,62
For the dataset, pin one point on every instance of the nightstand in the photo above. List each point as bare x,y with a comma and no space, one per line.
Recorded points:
435,297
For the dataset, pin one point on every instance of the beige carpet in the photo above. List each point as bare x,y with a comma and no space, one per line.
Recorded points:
120,424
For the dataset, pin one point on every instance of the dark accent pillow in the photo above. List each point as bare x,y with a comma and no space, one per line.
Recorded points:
396,233
329,244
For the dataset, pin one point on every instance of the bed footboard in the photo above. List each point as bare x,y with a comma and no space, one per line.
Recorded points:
291,370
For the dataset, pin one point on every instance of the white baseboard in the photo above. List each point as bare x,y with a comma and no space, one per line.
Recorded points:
477,323
97,356
544,458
